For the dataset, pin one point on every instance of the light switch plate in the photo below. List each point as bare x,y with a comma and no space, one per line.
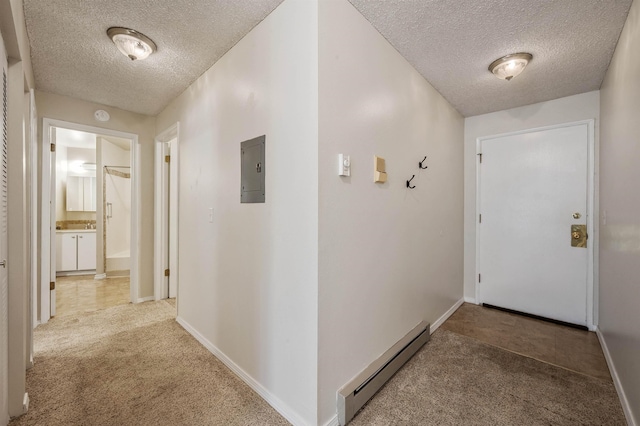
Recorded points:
344,165
380,177
379,170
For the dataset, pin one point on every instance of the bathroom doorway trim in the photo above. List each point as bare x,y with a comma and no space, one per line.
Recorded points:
48,175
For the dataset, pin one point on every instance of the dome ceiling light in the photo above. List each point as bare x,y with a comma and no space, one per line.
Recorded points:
510,66
132,44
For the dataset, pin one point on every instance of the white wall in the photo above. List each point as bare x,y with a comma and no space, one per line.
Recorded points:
389,256
564,110
248,280
620,217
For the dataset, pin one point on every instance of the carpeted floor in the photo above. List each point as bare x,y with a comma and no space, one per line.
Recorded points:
133,365
456,380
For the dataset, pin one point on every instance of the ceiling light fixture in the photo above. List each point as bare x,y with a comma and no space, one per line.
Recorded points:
131,43
510,66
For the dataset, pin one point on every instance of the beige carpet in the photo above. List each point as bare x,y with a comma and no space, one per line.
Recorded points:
456,380
133,365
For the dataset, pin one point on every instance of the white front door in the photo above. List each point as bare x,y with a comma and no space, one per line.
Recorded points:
533,187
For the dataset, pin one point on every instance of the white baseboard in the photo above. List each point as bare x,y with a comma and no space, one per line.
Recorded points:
616,380
145,299
271,399
470,300
333,421
100,276
446,315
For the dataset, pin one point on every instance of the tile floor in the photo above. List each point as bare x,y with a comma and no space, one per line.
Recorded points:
563,346
82,293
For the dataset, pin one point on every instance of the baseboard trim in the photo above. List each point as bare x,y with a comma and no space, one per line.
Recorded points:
271,399
446,315
333,421
100,276
145,299
470,300
616,380
74,273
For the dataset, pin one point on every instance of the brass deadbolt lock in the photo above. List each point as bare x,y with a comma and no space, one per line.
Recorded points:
579,236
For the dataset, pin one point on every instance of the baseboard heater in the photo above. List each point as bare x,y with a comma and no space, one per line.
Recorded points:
356,393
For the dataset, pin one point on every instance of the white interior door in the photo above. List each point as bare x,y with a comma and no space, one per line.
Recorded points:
172,217
532,188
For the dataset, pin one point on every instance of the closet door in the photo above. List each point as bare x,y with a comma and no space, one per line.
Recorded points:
4,284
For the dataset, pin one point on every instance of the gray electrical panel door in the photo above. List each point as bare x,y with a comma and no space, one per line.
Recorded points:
252,153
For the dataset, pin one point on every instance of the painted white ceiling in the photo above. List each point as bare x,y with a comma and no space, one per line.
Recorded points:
450,42
79,139
75,138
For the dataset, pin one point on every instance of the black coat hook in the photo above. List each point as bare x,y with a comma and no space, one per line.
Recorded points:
409,182
420,163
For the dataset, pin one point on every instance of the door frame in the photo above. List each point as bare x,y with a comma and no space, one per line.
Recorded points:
47,125
592,220
160,201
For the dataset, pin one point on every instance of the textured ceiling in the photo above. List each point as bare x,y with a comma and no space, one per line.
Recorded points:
73,56
450,42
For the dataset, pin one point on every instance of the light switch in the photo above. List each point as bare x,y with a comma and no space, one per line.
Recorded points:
344,165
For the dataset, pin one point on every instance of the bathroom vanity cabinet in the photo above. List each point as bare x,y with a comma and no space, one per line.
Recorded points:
75,250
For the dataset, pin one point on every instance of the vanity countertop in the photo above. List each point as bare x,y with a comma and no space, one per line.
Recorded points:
74,231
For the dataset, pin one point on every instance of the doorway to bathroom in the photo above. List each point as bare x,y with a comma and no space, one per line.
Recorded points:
90,256
91,169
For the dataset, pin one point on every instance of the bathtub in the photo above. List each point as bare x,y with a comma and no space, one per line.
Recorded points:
120,261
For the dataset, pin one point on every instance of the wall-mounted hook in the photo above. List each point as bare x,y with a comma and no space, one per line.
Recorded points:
409,182
420,163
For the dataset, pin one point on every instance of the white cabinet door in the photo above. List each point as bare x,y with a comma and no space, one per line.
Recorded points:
58,251
89,191
75,189
68,252
86,251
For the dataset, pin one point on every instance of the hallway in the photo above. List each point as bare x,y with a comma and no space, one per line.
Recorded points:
133,364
